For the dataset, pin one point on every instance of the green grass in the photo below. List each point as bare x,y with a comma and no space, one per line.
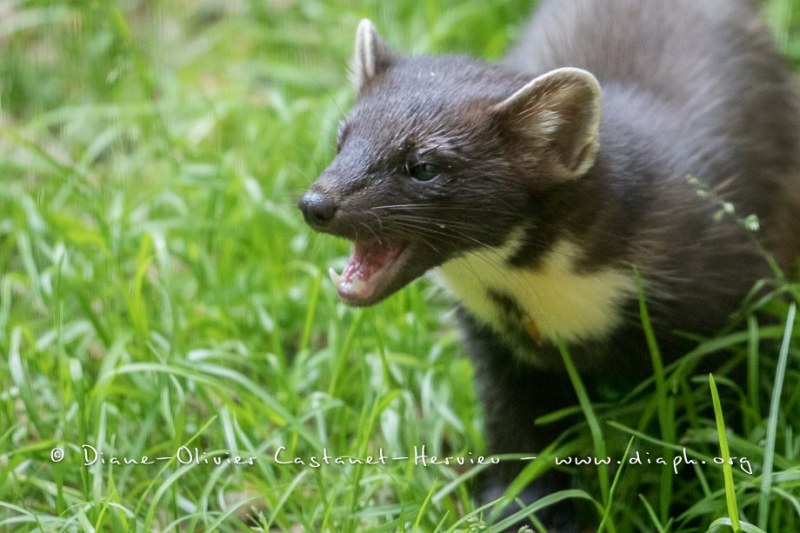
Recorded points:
159,293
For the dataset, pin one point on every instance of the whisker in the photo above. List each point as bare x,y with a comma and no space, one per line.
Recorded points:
371,230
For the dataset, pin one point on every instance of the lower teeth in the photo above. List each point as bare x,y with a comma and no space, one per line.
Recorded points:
335,277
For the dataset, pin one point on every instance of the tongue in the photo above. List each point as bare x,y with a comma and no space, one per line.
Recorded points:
361,275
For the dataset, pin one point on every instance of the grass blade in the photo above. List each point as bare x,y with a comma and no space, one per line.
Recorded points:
730,488
772,421
598,440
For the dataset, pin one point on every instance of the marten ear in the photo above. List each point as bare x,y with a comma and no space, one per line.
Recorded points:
559,112
372,56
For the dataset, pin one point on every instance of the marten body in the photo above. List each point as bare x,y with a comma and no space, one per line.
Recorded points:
547,190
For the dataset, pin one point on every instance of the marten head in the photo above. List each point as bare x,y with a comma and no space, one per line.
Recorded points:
443,155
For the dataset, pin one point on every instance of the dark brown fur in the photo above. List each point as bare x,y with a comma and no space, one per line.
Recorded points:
690,88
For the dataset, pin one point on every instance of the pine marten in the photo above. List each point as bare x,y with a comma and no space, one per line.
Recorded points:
545,190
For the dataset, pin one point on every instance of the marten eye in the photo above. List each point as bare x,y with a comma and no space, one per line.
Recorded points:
423,171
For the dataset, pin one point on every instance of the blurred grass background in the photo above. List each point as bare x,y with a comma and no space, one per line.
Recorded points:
159,289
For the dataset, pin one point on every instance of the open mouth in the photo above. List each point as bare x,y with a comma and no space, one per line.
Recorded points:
371,272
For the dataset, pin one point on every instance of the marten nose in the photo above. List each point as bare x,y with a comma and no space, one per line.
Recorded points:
318,209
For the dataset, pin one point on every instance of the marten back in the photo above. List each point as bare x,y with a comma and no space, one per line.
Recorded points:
700,76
